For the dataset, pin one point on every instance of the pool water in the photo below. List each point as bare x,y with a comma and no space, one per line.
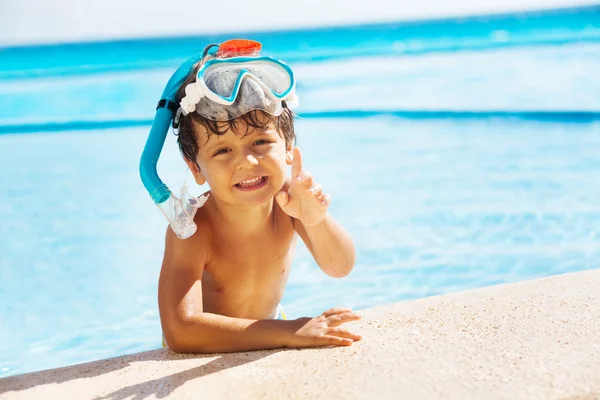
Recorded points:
434,205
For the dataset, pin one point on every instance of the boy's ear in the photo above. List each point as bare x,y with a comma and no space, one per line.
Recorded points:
198,175
289,154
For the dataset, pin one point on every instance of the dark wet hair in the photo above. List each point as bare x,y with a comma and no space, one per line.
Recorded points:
256,119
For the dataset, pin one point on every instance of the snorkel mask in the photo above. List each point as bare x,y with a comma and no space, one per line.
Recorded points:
231,81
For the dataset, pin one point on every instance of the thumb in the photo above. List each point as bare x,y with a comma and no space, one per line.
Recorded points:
282,199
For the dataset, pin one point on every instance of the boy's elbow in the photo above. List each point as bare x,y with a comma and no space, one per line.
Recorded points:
348,265
180,338
177,346
339,270
183,347
175,340
340,273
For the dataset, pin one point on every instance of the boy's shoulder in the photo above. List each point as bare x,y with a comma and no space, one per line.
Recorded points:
193,250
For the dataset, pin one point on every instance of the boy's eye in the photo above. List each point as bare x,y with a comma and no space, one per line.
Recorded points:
262,141
220,151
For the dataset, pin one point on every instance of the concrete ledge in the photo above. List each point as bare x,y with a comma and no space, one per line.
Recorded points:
531,340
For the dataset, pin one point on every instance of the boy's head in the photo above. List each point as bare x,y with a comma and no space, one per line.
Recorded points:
240,149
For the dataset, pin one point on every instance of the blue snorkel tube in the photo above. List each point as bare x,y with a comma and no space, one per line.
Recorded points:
179,211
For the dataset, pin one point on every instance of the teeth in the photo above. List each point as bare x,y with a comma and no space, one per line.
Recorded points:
251,182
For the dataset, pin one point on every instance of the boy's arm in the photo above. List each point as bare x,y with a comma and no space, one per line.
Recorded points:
330,245
304,201
187,329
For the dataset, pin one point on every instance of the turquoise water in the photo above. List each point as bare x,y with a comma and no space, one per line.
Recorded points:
470,168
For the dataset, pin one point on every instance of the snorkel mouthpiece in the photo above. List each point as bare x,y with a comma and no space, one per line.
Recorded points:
245,82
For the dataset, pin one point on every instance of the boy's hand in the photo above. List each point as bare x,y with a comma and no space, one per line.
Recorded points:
324,330
304,199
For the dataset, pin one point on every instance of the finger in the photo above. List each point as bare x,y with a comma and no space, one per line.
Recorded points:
282,199
302,176
344,333
330,340
334,311
307,179
339,319
316,190
324,199
296,162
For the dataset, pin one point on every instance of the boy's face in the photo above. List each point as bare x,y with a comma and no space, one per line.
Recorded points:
240,169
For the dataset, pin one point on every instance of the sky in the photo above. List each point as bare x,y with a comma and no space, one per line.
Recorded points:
50,21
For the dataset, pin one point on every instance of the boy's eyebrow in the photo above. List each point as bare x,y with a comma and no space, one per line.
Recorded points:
266,131
212,144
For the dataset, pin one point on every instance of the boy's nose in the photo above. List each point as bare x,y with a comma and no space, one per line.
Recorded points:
248,160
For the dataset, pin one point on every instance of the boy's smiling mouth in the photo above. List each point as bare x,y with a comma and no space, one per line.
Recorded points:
252,183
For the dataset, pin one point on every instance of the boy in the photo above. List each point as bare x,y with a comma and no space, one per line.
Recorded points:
219,290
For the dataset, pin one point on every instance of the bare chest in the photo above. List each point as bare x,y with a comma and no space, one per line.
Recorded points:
251,262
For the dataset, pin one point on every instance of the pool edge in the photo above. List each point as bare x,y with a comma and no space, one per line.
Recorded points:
531,339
